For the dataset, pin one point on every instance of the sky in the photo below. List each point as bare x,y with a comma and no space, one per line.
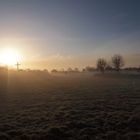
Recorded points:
70,33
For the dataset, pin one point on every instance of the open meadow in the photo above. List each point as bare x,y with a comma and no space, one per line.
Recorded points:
39,106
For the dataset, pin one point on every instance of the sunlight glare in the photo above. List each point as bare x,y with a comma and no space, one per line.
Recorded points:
9,57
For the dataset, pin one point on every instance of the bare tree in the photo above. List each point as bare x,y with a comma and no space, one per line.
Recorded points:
101,64
117,62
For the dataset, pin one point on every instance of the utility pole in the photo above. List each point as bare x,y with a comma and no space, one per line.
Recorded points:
17,65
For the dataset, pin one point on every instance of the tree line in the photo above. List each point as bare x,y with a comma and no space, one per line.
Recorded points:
117,62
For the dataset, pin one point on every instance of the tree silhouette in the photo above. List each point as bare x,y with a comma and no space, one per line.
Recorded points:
117,62
101,64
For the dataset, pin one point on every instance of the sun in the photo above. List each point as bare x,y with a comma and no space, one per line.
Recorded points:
9,57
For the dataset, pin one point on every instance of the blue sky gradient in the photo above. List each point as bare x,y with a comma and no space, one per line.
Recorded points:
81,30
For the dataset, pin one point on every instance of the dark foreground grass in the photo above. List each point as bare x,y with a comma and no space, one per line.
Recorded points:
37,106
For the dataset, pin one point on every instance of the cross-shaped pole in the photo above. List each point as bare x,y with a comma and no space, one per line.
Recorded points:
18,64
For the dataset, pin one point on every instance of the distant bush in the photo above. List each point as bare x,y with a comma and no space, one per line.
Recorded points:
54,71
89,69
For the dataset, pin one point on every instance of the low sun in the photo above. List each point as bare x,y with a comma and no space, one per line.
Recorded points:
9,57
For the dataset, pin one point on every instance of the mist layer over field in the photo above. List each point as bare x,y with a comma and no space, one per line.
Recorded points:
39,106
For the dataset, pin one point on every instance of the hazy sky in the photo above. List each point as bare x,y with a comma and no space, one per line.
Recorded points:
70,33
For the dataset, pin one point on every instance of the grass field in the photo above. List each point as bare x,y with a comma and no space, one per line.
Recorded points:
39,106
